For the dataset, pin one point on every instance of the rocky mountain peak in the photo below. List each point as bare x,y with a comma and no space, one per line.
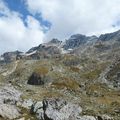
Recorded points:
110,36
55,41
11,56
77,40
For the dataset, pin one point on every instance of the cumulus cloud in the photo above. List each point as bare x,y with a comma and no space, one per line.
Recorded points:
77,16
14,34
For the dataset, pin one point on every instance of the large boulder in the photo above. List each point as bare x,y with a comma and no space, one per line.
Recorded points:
56,109
9,95
8,100
38,77
35,79
9,111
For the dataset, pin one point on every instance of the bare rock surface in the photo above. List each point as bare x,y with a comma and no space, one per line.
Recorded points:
8,99
56,109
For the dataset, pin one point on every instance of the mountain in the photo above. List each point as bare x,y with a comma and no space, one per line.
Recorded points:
110,36
11,56
78,40
76,79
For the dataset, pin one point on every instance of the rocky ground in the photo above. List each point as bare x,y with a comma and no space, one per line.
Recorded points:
74,80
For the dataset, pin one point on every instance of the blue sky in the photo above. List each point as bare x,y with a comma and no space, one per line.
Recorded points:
19,6
28,23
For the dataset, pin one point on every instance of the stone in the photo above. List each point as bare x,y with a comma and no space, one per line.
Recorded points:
85,117
9,111
56,109
9,95
27,104
37,108
8,100
35,79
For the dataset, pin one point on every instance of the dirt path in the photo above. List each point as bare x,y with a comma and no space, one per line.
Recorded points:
12,70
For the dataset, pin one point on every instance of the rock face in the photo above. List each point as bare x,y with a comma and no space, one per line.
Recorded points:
11,56
76,40
55,41
43,51
110,36
8,99
9,111
56,109
113,75
27,104
60,110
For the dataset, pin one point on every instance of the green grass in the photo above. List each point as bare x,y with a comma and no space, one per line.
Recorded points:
66,83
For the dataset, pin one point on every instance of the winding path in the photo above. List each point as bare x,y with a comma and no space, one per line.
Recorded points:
12,70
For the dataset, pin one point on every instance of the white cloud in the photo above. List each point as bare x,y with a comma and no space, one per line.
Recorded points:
66,16
77,16
14,34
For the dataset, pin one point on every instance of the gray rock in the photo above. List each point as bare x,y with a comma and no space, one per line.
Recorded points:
110,36
38,105
56,109
37,108
9,111
54,41
77,40
27,104
9,95
11,56
8,99
87,118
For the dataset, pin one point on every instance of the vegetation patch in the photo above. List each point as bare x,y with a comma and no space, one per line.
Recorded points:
94,74
66,83
71,60
41,70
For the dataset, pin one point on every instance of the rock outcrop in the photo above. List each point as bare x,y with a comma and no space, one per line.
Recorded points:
77,40
110,36
35,79
11,56
8,100
56,109
38,77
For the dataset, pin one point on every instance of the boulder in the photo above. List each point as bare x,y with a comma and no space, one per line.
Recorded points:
56,109
27,104
9,111
9,95
35,79
8,99
39,76
37,108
